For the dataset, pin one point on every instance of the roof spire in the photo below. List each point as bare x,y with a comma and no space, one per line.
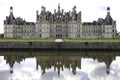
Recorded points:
11,10
58,7
108,10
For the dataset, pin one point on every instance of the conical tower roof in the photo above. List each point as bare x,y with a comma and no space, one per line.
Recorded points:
108,18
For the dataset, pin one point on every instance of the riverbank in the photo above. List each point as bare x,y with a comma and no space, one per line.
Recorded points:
60,45
63,40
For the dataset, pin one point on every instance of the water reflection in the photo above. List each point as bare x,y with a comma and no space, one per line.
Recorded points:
59,60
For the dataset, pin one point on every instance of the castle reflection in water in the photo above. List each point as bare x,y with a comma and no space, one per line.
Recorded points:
59,59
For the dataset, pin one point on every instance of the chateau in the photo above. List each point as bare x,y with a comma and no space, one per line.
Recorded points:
59,25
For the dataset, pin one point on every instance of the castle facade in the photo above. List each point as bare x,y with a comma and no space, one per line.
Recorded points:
59,25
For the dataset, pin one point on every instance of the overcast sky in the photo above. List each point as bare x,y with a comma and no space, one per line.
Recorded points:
91,9
26,70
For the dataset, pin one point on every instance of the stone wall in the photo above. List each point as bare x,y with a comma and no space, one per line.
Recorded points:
60,45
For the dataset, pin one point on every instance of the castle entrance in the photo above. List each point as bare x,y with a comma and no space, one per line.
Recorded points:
58,36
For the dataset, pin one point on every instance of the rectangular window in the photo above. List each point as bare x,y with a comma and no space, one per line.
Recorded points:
113,26
40,35
113,35
78,35
112,30
40,30
103,30
56,35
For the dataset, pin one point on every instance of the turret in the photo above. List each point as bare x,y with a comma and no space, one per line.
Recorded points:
11,70
10,19
37,15
108,18
79,17
58,7
43,9
62,11
74,13
54,11
11,10
74,10
11,64
108,10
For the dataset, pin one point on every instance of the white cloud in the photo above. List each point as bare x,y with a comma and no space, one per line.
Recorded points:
3,65
26,70
85,62
98,73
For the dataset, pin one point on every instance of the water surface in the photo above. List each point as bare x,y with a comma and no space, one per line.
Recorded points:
59,65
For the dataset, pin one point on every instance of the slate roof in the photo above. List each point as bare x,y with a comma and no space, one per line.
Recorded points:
108,20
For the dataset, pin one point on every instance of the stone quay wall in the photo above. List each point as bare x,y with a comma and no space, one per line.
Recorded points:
60,45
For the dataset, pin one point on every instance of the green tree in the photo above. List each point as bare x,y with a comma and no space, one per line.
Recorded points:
2,35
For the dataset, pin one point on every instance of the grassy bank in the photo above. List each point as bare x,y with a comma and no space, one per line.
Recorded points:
26,40
65,40
91,40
